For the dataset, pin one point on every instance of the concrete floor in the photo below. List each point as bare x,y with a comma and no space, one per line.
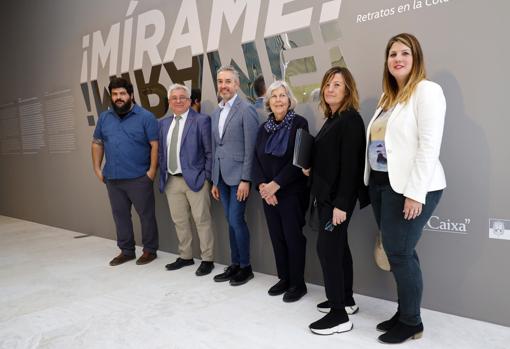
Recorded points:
58,291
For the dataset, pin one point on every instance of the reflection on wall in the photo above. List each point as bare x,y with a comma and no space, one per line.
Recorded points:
298,56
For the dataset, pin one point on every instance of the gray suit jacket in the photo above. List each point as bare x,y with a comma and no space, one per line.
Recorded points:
233,152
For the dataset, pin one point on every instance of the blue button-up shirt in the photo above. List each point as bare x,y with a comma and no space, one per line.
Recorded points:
126,142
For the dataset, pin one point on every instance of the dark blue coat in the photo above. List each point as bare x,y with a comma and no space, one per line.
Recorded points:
195,153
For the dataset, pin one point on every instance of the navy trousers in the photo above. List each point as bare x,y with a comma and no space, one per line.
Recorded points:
137,192
285,223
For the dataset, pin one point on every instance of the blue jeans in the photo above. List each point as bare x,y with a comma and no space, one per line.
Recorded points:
399,238
238,230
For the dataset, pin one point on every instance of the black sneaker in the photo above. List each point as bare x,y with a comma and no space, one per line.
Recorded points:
179,263
279,288
333,322
294,293
204,268
401,332
242,276
229,272
385,326
324,307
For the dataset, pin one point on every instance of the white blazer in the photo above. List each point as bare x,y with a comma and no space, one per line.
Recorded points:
413,140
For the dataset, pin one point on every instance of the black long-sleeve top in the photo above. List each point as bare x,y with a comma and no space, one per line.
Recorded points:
339,160
267,167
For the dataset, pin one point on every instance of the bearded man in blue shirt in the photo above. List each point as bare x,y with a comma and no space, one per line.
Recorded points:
128,135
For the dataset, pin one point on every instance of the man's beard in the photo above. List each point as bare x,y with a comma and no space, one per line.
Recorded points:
124,109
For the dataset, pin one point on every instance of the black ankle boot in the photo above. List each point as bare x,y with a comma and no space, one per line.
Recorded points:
279,288
401,332
385,326
294,293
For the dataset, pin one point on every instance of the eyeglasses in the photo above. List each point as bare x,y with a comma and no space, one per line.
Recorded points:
178,99
275,97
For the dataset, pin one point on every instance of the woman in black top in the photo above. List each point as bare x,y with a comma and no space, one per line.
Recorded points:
283,189
337,170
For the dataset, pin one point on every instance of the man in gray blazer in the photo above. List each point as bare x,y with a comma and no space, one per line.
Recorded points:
234,127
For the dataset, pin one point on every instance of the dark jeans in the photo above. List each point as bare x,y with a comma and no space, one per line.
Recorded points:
139,192
285,223
399,238
237,227
336,259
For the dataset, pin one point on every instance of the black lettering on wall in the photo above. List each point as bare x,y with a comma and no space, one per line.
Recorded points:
152,87
193,73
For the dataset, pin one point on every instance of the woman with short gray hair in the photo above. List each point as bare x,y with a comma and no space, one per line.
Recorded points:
283,189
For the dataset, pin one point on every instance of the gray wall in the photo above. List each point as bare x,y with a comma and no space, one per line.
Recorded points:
465,270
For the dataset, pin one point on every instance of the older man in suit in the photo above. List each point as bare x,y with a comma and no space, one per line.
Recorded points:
185,172
234,130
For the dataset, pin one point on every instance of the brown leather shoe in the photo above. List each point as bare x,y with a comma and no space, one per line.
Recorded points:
121,258
145,258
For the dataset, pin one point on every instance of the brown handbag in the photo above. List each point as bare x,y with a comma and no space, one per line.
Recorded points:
380,255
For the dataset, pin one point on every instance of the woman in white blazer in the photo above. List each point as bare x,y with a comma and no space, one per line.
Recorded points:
404,174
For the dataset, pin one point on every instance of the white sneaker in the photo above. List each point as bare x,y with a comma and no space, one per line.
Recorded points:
352,309
343,327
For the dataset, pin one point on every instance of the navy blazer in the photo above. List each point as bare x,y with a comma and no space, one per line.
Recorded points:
195,152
